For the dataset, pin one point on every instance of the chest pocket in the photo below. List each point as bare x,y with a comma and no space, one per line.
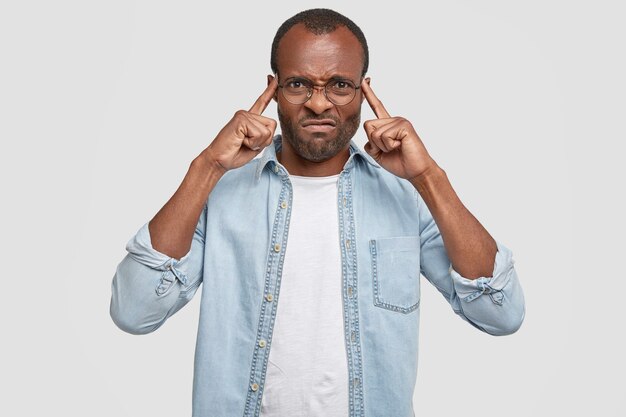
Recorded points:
396,272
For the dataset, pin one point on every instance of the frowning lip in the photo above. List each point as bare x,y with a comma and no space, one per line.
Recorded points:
319,122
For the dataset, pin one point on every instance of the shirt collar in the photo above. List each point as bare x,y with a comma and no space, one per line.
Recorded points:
269,157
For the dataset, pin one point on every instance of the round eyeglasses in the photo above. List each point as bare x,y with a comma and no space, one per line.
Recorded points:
338,91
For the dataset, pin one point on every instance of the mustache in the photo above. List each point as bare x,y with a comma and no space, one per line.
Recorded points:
319,117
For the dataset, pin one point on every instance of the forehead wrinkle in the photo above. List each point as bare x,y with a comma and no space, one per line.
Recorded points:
322,74
317,76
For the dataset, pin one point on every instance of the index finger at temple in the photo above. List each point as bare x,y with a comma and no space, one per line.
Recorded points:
376,105
264,99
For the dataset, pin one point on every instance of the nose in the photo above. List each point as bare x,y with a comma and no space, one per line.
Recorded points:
318,103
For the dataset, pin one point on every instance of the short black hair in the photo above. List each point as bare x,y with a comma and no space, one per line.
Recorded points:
319,22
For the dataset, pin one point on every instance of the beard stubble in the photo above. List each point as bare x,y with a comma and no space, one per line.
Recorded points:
319,150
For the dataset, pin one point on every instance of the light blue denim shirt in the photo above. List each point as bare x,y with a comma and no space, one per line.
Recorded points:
388,237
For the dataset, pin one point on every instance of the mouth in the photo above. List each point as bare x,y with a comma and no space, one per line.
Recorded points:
322,125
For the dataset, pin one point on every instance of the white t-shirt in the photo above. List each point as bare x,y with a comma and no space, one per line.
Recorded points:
307,373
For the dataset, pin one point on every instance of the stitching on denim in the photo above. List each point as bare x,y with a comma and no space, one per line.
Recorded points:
166,282
346,298
377,301
279,274
351,307
193,283
258,371
170,274
485,288
356,304
190,288
270,258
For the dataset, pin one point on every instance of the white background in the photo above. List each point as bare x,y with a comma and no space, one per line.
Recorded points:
104,104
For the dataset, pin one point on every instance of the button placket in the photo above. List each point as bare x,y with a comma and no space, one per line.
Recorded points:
350,299
268,307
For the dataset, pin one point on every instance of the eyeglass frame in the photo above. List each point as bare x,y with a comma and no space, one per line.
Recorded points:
314,87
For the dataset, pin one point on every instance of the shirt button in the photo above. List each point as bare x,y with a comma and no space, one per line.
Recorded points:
254,386
269,297
276,169
349,291
277,248
353,336
348,243
345,201
262,343
283,204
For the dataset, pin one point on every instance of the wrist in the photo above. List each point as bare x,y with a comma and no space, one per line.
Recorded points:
208,163
428,178
204,165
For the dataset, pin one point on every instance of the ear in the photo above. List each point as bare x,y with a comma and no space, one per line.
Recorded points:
270,78
367,80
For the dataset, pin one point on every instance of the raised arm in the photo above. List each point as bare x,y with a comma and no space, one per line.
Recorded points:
458,255
247,134
163,267
395,145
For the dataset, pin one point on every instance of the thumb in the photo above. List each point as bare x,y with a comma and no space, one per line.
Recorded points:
373,150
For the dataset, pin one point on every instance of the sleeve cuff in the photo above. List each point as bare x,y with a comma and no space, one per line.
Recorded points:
470,289
140,248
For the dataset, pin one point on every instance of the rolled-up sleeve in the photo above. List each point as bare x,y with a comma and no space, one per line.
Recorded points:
493,304
148,287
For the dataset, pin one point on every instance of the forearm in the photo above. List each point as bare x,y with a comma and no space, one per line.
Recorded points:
172,228
148,286
469,246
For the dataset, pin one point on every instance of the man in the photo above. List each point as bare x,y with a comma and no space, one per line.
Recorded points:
311,255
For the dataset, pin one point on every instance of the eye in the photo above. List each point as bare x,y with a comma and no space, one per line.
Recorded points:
342,88
296,85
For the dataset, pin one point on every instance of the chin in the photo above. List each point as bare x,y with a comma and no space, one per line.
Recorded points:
318,148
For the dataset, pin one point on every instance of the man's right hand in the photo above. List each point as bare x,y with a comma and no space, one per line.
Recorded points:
245,135
172,228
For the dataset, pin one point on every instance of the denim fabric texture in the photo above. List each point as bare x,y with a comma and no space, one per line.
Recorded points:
388,239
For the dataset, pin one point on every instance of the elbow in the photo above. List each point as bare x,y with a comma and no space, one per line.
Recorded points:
129,314
129,321
512,311
131,309
509,325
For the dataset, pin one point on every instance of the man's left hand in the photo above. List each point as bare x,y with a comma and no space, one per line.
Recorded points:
393,142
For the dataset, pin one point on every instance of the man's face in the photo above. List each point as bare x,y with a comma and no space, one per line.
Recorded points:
319,58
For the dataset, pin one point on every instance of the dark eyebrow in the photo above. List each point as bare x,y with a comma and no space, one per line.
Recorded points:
307,81
299,79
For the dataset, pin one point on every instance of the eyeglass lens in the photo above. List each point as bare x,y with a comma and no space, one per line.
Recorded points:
339,92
